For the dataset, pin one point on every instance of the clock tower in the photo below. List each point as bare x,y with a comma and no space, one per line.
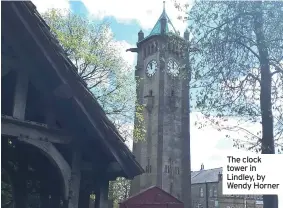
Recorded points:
162,75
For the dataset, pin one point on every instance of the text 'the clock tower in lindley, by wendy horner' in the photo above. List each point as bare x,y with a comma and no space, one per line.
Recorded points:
162,74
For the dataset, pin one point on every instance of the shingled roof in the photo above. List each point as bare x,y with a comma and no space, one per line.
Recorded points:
24,18
205,176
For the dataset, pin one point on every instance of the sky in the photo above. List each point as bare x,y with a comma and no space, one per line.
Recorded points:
127,17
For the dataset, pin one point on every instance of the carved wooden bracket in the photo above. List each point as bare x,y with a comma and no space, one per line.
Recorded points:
55,156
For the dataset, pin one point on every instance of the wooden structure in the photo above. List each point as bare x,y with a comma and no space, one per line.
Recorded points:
58,146
153,197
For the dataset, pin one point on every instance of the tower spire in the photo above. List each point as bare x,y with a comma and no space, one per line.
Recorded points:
163,6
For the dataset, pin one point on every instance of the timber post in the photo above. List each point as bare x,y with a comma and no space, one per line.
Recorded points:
20,96
84,199
21,194
101,197
75,177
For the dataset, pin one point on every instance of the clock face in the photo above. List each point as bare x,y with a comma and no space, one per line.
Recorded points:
151,68
173,68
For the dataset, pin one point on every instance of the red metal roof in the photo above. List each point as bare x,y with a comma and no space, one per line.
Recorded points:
152,197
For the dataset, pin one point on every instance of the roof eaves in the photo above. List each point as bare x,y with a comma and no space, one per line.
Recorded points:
77,81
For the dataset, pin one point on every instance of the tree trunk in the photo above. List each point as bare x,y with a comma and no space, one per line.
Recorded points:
269,201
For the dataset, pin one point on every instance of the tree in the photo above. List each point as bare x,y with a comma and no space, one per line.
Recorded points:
238,71
119,190
97,56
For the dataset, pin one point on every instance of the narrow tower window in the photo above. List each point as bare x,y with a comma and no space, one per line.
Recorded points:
166,168
148,167
177,170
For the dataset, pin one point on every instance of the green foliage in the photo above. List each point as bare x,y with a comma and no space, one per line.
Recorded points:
238,68
119,190
139,130
94,51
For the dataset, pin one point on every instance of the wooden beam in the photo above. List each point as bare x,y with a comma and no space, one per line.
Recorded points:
113,167
20,96
21,194
32,130
76,178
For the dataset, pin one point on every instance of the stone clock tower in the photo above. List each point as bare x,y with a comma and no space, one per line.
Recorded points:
163,88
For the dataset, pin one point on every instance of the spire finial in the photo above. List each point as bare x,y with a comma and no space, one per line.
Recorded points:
163,5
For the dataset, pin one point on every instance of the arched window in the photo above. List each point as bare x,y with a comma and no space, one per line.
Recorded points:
177,170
